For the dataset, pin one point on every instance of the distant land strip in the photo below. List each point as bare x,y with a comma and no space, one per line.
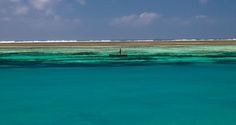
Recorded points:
116,44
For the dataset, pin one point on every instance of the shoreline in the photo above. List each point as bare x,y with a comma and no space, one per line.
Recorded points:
117,44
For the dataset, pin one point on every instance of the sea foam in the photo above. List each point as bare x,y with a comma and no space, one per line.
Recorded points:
127,40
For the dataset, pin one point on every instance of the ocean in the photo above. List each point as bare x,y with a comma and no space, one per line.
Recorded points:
169,85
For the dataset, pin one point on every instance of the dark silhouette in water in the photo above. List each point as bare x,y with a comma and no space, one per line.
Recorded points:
120,54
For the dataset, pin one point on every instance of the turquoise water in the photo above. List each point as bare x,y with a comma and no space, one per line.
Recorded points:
152,86
99,56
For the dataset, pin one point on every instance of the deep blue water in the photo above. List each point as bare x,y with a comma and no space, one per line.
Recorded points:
194,94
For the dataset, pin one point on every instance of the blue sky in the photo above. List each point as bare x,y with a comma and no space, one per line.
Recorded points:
116,19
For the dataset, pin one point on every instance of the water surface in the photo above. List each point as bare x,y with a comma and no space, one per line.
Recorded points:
84,86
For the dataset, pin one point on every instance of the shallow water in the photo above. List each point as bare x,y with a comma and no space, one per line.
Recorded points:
99,56
200,92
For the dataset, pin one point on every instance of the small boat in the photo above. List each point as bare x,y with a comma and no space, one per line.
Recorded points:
120,54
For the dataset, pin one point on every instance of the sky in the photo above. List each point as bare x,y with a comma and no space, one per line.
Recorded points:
116,19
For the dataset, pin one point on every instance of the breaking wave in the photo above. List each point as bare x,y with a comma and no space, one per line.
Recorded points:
128,40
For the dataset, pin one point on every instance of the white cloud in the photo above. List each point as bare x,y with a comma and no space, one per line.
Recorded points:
82,2
142,19
42,4
201,17
205,18
203,1
15,1
46,7
21,10
6,19
183,21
